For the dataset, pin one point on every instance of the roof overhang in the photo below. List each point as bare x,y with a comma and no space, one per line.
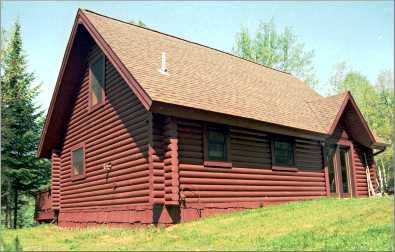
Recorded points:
82,35
215,117
85,34
355,122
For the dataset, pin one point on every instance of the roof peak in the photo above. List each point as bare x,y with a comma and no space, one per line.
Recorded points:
186,40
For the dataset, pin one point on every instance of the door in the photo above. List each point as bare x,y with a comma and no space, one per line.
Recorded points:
344,172
332,174
339,171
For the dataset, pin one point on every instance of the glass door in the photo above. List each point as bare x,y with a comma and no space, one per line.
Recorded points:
339,171
331,155
344,172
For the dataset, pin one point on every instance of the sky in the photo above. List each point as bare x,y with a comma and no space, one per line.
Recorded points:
360,33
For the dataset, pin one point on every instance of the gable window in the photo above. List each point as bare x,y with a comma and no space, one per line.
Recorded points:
78,161
283,151
217,143
97,81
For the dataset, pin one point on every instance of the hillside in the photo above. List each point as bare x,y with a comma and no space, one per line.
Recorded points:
327,224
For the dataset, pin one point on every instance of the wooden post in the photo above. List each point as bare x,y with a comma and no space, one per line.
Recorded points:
384,175
380,178
353,171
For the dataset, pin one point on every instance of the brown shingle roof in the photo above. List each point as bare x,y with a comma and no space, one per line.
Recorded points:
325,109
208,79
200,77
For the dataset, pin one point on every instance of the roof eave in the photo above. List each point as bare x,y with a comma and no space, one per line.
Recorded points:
349,98
82,19
40,153
180,111
379,146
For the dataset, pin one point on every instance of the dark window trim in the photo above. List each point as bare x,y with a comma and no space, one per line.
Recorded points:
283,167
99,104
72,149
214,162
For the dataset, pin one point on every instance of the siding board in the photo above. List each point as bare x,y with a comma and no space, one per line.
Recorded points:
250,177
115,133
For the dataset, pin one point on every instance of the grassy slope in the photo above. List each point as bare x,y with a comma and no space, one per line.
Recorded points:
327,224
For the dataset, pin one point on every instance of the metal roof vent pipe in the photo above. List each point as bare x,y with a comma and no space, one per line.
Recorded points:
163,68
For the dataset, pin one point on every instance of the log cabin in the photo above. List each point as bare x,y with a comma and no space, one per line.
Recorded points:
148,128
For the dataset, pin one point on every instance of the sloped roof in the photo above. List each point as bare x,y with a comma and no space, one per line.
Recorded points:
325,109
204,78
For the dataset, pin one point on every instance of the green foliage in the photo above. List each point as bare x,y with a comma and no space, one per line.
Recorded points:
280,50
327,224
138,23
17,244
12,245
22,173
26,212
376,103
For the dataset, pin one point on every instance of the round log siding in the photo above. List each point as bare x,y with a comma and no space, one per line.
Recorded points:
117,134
250,177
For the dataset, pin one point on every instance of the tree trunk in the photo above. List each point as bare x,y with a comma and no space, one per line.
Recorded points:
15,207
7,213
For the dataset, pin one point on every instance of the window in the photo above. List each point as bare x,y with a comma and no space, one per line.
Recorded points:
283,149
331,170
343,166
97,81
217,143
78,161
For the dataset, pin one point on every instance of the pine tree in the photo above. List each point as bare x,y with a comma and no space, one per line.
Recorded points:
22,173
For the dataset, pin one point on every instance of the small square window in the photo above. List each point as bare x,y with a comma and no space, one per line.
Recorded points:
77,159
217,143
283,151
97,81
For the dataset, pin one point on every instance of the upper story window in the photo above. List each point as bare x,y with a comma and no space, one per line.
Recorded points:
217,143
97,81
283,151
78,161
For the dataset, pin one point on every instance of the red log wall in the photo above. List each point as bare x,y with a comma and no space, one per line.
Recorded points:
358,162
158,173
55,180
43,208
360,167
116,134
249,181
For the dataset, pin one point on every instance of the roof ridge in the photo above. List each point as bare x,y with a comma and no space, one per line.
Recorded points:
192,42
325,97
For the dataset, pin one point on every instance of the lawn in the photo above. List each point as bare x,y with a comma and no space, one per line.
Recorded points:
326,224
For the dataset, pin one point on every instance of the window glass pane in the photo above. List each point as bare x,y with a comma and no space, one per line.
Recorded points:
78,161
283,151
97,81
331,171
343,164
216,151
216,136
216,141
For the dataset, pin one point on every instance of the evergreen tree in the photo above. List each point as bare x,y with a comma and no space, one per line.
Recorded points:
22,173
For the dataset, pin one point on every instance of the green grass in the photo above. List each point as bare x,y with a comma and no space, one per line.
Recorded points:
326,224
